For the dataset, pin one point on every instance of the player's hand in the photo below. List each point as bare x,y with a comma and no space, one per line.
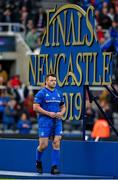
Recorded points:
52,114
59,115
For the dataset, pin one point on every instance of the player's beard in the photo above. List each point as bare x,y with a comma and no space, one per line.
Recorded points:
52,86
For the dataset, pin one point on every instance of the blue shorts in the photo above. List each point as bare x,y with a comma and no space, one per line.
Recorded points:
51,131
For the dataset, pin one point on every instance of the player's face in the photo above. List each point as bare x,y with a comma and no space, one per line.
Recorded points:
51,82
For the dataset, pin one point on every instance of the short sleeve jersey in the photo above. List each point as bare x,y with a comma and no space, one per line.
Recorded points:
49,101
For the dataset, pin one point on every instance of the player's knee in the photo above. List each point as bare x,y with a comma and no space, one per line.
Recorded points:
56,144
43,146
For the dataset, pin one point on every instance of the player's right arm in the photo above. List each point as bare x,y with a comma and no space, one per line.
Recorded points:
39,109
38,101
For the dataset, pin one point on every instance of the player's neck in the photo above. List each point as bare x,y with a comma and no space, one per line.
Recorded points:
51,89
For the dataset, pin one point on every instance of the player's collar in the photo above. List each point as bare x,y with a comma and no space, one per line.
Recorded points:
50,89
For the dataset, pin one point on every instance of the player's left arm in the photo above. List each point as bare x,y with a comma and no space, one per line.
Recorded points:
60,114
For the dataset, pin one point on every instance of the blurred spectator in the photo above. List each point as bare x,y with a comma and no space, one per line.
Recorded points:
15,81
111,44
107,109
101,129
114,35
92,2
29,25
99,3
3,102
25,15
16,89
3,76
39,39
28,104
24,124
100,35
31,38
21,92
20,109
105,21
10,90
9,115
8,16
114,30
16,10
90,116
116,13
105,5
111,13
26,3
97,17
104,96
40,19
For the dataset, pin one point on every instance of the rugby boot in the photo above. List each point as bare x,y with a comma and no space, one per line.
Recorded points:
55,170
39,167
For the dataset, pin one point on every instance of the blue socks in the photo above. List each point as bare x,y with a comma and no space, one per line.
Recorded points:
38,155
55,157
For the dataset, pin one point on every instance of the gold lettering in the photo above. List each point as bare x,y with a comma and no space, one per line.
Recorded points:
70,72
61,29
41,57
79,55
33,69
48,26
87,57
53,32
106,68
78,106
79,42
95,71
89,25
67,106
71,106
61,56
71,31
51,64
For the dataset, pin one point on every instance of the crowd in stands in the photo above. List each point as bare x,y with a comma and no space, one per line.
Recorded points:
16,99
16,104
26,13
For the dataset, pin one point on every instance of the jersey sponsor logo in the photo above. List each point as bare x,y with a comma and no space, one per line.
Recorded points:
61,132
42,133
35,99
58,95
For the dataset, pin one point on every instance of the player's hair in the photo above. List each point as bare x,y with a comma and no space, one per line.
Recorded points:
51,74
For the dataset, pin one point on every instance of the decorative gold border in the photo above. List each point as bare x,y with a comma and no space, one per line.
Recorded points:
67,6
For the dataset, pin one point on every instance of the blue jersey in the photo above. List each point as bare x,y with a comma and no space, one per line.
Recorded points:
49,101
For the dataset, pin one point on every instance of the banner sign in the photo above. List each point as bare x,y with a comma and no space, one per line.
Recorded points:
70,50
